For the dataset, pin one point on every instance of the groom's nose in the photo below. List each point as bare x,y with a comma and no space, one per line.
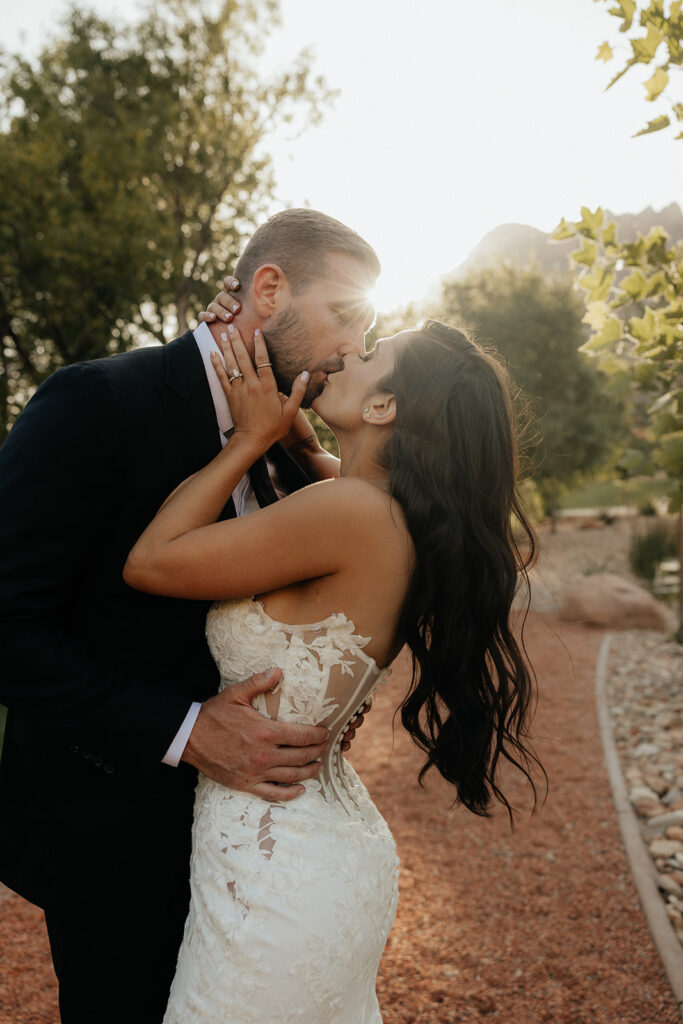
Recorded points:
352,343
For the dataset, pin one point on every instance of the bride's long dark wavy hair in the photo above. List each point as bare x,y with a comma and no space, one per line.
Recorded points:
453,462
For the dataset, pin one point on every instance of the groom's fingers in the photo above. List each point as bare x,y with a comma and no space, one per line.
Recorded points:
292,776
274,794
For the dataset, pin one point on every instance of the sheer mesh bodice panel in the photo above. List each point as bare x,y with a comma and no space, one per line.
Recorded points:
326,674
292,903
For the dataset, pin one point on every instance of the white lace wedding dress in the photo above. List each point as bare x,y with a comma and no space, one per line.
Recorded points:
292,902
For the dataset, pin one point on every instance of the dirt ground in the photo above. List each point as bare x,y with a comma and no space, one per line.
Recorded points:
540,926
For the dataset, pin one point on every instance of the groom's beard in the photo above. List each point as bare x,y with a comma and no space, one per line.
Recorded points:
291,353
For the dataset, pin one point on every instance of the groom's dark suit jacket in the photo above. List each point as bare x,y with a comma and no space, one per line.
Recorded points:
98,677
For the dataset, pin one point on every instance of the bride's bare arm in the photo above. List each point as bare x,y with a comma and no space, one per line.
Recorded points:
302,444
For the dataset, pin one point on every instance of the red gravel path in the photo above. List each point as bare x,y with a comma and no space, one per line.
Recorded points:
540,926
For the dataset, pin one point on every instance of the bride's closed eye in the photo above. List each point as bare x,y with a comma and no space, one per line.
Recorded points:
365,358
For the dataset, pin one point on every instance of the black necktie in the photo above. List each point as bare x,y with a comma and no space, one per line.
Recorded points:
262,484
260,481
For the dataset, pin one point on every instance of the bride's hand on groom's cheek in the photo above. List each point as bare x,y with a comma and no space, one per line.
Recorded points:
259,412
225,306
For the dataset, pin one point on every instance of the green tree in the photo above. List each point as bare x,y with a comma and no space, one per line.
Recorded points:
534,324
634,290
133,165
656,39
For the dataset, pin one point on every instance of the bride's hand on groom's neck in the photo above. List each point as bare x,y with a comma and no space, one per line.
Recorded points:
225,306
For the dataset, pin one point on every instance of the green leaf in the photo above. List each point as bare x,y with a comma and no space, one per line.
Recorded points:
645,48
625,10
590,223
611,332
609,233
563,231
587,254
669,454
604,52
644,328
656,84
654,126
635,285
598,283
661,403
596,315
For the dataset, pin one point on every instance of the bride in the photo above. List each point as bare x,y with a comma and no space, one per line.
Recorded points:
292,902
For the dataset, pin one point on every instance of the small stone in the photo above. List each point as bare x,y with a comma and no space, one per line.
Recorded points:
649,809
646,750
666,848
640,793
656,783
668,884
675,916
675,832
670,818
672,796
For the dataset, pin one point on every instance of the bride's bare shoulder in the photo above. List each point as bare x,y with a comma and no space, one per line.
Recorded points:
358,503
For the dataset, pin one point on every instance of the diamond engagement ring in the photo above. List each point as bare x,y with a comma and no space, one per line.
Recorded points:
234,375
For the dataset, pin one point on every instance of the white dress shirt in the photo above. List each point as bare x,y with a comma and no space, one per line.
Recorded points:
243,496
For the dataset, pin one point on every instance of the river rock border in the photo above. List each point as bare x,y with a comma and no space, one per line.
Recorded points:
639,695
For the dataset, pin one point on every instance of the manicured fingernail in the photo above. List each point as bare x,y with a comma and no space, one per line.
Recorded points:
231,327
212,316
235,307
257,332
235,283
305,375
224,336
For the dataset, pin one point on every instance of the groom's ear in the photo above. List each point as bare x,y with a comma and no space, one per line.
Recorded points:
380,409
270,289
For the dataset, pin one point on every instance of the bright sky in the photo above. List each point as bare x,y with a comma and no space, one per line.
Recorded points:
453,116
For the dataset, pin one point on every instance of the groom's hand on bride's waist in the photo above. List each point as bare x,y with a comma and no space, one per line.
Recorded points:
236,746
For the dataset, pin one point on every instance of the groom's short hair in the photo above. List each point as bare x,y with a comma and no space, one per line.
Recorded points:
297,241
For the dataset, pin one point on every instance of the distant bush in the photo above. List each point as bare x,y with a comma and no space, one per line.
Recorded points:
532,504
651,546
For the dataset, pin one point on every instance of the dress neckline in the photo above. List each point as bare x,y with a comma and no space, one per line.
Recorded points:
333,619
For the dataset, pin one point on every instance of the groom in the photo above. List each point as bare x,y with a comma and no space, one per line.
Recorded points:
112,692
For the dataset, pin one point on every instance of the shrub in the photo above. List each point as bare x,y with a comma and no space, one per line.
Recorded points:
650,546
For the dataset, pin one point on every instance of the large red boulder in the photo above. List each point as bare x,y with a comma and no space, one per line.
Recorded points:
609,600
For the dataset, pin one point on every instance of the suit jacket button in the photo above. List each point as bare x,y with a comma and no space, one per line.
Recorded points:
87,755
74,749
108,768
98,762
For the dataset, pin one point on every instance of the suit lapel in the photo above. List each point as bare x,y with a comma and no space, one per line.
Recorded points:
187,402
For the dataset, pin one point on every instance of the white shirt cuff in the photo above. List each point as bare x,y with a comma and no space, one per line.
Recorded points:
175,751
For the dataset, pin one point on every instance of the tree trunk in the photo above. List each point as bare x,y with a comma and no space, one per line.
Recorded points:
679,634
